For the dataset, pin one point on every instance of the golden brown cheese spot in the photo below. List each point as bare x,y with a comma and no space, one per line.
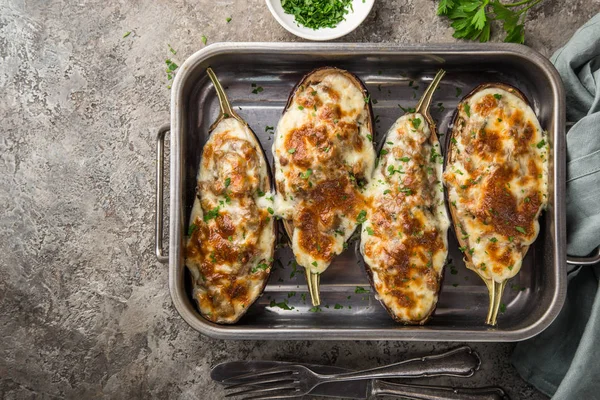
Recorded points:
320,214
331,112
333,94
301,143
500,207
488,143
311,238
485,106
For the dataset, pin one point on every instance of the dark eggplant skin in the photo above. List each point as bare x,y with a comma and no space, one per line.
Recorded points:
449,148
314,77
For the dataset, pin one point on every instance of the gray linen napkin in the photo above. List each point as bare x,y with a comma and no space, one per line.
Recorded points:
564,360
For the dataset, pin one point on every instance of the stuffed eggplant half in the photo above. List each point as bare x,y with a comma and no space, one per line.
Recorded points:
404,239
324,156
496,176
232,232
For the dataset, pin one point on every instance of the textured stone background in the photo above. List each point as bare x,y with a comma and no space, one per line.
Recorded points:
85,309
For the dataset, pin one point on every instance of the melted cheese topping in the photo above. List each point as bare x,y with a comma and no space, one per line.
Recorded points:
497,181
323,154
231,243
404,240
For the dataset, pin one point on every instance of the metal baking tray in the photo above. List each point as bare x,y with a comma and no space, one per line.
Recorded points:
395,75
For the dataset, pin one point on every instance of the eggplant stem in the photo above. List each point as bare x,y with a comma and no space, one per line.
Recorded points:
226,110
495,291
425,101
313,281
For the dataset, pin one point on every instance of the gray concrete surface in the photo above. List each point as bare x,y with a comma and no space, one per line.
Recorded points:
85,310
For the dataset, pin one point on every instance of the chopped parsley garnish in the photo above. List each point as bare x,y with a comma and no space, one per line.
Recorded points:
361,217
211,214
497,96
228,19
386,191
416,122
370,231
300,107
257,89
406,191
129,33
269,128
453,140
367,99
360,289
204,39
294,270
458,91
467,109
171,66
407,110
510,267
261,267
541,144
510,239
260,193
291,151
227,182
502,308
370,137
283,305
191,229
314,263
270,210
230,238
520,229
315,309
493,240
527,199
338,306
307,173
383,152
404,159
317,14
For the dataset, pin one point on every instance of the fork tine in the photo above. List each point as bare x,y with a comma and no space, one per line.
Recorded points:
263,390
251,376
281,394
259,382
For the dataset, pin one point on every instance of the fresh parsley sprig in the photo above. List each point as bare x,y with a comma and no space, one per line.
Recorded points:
471,19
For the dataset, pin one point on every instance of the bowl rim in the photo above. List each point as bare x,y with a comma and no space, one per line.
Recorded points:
336,32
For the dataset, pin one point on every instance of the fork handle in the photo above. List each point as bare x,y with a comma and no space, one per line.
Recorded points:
462,361
381,388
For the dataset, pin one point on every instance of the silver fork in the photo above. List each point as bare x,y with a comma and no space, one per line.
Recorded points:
296,380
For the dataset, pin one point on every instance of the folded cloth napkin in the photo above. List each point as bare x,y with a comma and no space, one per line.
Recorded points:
564,360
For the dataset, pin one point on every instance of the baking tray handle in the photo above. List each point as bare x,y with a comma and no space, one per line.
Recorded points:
595,259
160,165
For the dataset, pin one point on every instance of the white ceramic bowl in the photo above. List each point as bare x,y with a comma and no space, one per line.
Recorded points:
353,20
